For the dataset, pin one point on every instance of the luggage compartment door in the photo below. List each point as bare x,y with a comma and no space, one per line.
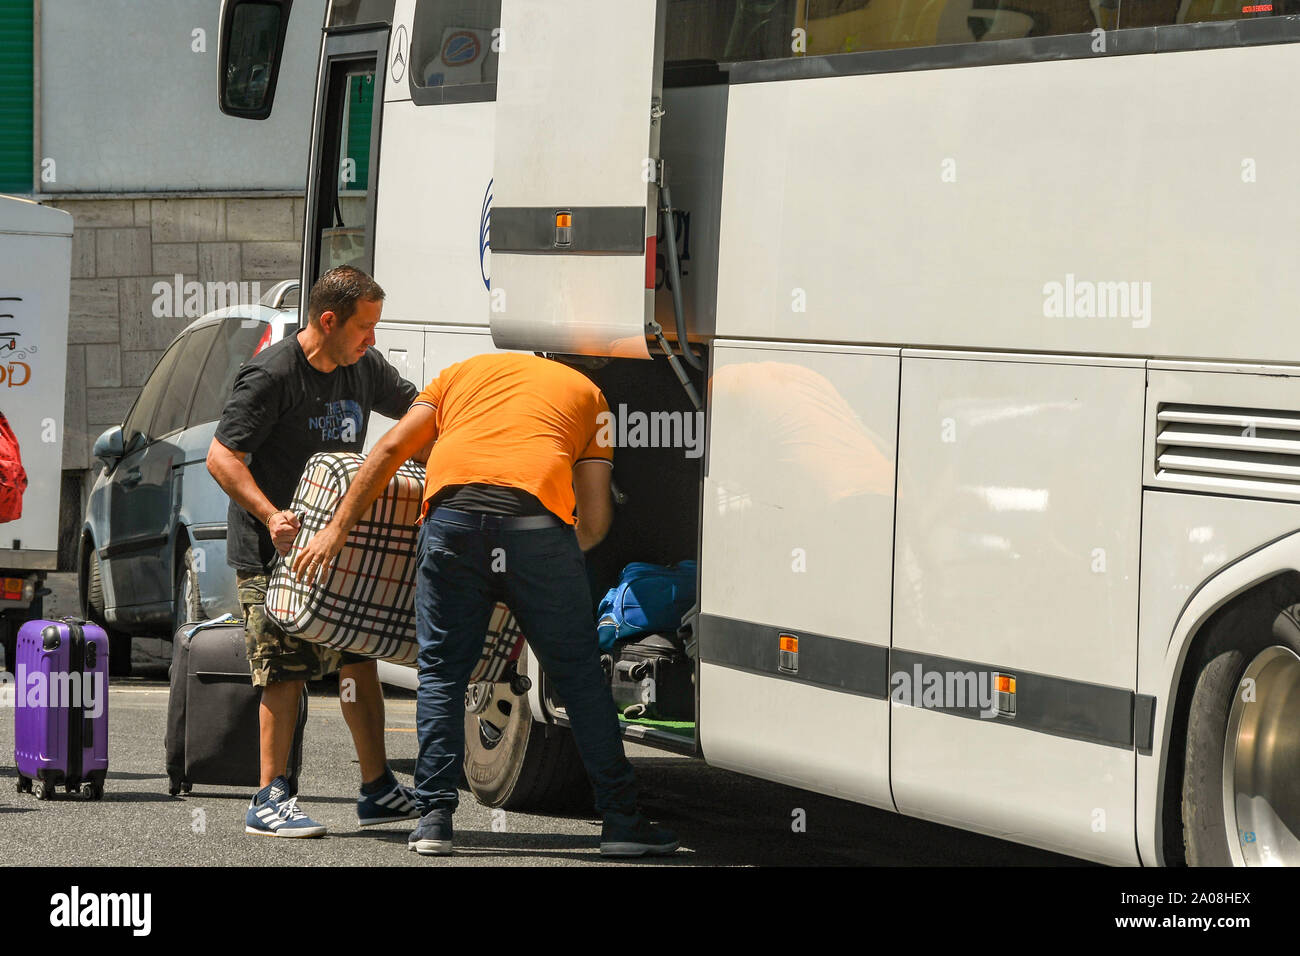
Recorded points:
574,205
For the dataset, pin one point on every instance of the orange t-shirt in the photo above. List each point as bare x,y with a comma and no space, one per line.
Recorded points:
517,420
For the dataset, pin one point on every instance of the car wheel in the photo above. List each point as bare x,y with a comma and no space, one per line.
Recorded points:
92,599
119,643
186,604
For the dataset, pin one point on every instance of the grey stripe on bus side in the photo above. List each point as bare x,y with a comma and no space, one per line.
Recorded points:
1094,713
594,229
831,662
1078,710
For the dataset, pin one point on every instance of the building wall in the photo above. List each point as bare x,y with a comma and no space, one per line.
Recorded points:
127,103
121,247
129,139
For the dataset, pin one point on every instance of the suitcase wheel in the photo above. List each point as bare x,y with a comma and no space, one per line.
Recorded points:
186,786
23,784
520,684
92,790
43,790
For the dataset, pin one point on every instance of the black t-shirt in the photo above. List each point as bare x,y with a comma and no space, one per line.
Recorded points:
282,411
493,499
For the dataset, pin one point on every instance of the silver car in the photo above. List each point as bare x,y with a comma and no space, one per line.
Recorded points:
152,551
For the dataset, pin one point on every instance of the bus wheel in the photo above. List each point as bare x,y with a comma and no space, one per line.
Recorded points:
1241,785
517,763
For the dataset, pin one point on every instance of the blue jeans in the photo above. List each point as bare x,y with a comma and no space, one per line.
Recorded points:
541,577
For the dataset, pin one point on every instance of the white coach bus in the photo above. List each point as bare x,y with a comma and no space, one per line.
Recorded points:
991,314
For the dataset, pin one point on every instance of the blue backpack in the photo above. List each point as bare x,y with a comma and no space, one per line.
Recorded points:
648,598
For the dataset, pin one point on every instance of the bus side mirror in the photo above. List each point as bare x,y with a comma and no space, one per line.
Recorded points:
248,55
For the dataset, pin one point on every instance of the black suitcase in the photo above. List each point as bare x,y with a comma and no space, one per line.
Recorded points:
651,677
213,728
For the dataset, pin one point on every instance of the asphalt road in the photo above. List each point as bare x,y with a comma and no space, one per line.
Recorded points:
722,818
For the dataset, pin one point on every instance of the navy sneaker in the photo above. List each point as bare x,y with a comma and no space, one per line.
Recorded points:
623,835
433,836
388,805
274,813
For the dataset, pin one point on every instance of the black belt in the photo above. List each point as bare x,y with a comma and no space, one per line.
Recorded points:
485,521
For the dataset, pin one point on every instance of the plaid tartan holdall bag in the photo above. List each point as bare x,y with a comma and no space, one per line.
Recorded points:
365,600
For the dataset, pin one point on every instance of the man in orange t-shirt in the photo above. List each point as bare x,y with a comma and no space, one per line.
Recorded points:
515,454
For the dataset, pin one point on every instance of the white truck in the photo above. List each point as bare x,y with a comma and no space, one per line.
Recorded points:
35,274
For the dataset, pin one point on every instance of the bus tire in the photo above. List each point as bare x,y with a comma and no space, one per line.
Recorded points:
1244,671
517,763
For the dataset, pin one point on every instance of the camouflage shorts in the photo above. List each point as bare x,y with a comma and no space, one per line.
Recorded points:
274,656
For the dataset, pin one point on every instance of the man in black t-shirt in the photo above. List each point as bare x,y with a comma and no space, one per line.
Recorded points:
311,392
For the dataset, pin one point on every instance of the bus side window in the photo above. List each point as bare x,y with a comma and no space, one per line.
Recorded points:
454,43
847,26
1157,13
727,31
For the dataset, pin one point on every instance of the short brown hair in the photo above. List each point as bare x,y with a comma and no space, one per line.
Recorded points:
339,291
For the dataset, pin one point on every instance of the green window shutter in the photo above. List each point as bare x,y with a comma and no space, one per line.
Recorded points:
16,167
361,102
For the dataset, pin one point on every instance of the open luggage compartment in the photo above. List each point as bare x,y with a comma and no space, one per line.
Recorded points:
658,474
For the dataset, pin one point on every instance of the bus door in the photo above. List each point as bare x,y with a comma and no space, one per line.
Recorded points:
577,146
1014,655
341,185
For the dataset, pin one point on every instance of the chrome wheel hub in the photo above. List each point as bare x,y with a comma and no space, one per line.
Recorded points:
1261,763
477,696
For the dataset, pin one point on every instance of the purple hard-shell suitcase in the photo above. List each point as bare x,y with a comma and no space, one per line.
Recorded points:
61,707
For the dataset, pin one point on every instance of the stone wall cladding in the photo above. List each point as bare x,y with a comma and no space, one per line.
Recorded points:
120,248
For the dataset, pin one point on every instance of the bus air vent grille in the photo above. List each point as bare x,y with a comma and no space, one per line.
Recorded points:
1252,451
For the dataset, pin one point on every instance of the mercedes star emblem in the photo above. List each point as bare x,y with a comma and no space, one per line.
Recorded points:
399,55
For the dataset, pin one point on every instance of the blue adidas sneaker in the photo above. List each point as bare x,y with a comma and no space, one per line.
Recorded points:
391,804
274,813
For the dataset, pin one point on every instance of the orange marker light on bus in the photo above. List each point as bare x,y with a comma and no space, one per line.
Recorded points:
787,655
563,229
